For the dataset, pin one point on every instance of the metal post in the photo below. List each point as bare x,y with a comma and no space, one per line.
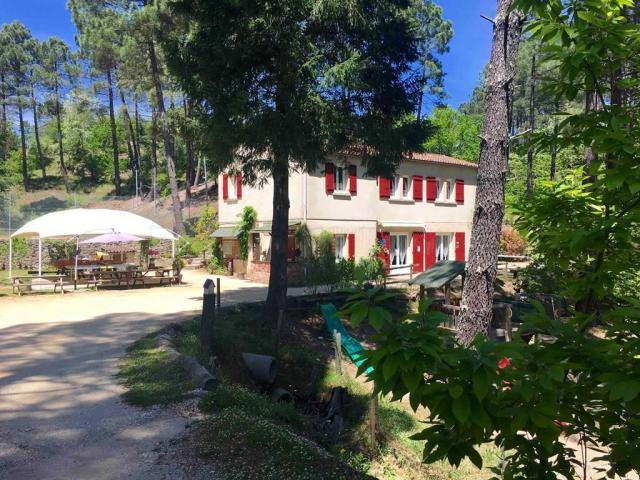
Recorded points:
10,213
136,184
75,275
39,256
218,289
338,352
10,256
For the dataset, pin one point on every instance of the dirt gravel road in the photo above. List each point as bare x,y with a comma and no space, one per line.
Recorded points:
61,415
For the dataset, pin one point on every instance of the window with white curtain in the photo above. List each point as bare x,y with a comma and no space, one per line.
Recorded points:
232,185
443,247
341,247
445,190
399,251
340,179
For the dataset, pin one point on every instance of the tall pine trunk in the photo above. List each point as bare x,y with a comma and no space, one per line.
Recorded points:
63,167
169,150
554,145
477,294
154,151
189,147
532,127
3,126
36,131
114,138
131,146
277,293
23,142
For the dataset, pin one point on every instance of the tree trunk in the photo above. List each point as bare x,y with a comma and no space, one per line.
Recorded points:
154,150
3,125
196,179
477,294
169,151
532,127
63,167
590,156
277,294
554,145
136,141
23,140
189,147
36,131
114,138
131,146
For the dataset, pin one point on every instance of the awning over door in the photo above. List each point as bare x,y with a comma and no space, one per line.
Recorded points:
226,232
266,227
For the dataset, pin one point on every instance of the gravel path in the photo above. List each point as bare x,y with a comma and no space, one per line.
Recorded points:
61,416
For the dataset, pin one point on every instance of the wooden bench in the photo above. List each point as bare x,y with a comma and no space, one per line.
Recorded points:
23,284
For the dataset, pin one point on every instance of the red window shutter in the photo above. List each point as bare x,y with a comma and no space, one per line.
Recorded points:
384,254
460,247
328,178
353,179
351,245
385,187
418,251
291,247
432,189
239,186
429,249
225,186
417,188
459,191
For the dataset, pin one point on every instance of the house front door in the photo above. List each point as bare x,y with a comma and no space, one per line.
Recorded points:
417,241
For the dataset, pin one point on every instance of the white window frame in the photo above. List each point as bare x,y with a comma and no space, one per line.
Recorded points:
232,187
440,246
396,253
340,186
397,188
341,246
448,196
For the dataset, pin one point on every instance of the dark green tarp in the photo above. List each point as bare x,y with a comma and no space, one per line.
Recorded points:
439,274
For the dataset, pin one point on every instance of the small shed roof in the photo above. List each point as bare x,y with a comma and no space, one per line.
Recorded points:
226,232
439,274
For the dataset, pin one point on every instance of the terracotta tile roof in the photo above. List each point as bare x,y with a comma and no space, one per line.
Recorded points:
443,159
419,156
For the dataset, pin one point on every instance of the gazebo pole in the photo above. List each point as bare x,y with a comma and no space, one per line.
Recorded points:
39,256
10,257
75,276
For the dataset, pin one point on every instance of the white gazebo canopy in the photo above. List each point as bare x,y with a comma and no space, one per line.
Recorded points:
81,222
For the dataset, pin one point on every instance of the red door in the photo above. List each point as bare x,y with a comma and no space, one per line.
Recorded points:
418,251
291,248
430,249
460,248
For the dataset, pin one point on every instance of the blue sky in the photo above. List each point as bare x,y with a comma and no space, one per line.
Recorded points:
469,48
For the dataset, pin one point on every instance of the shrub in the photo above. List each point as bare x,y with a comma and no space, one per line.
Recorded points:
207,223
511,242
247,222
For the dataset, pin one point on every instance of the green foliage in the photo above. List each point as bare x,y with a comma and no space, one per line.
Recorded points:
247,222
456,134
19,246
61,249
237,396
151,377
518,396
207,223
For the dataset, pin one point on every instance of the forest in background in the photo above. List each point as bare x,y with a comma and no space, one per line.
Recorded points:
71,116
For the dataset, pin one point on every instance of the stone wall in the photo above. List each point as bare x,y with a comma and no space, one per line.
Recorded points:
29,261
259,272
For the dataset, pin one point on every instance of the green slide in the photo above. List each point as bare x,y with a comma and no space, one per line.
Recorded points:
350,345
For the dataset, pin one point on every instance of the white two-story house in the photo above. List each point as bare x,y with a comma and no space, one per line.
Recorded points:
423,214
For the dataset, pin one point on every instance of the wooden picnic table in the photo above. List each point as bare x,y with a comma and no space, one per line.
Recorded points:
35,283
